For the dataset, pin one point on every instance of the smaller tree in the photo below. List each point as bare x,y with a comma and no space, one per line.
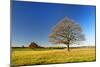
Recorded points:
66,32
33,45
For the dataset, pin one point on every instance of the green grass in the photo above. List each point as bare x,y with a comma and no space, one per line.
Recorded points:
26,56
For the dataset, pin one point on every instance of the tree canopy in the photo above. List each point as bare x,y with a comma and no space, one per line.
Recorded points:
66,32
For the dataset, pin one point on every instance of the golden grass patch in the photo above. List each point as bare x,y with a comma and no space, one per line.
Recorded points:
32,57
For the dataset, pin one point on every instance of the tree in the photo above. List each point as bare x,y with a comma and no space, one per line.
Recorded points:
33,45
66,32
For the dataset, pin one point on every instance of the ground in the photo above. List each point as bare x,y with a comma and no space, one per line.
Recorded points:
37,56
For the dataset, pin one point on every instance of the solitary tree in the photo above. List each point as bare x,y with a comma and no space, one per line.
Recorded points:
66,32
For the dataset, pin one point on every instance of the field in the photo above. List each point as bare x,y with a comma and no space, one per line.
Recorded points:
37,56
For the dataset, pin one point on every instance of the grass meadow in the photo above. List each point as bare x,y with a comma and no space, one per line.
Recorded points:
37,56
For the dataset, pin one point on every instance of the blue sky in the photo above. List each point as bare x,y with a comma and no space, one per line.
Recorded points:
33,21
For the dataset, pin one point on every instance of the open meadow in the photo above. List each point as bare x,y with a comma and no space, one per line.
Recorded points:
37,56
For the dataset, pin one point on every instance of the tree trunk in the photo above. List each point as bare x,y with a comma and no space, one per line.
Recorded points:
68,47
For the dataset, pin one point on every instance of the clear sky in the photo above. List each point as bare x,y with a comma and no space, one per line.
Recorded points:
33,21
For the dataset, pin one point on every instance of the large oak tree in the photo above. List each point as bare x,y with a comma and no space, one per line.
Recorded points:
66,32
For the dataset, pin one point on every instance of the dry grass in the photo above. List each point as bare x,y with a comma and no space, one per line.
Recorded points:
36,57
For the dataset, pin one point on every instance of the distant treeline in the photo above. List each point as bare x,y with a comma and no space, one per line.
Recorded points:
58,47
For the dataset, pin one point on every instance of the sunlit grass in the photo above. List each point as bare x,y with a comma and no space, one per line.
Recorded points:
51,56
